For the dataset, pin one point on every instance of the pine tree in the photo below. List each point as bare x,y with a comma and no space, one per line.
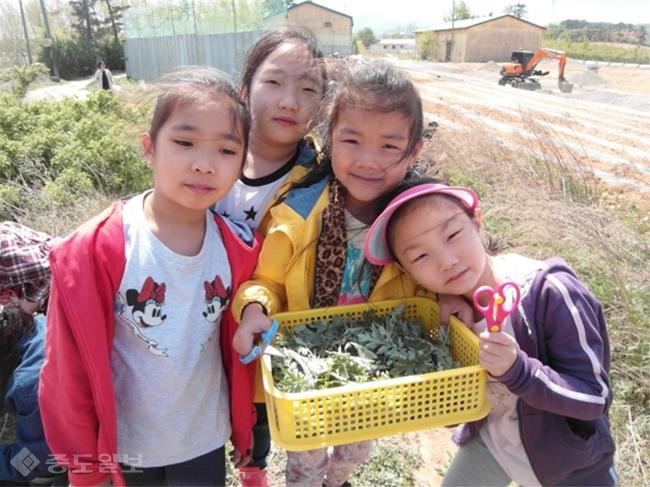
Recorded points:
87,25
114,11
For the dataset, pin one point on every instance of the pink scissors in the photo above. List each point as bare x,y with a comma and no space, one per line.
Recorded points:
498,306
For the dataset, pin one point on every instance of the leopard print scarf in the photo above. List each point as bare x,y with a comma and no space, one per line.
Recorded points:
331,252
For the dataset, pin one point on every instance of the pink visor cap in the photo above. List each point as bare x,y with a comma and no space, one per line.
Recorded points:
376,245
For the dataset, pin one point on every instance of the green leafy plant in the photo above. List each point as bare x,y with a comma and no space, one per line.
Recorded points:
323,355
53,155
21,77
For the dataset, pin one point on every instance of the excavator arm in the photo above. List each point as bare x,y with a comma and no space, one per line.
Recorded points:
550,54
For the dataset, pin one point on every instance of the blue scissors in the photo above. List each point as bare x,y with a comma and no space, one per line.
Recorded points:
265,339
498,307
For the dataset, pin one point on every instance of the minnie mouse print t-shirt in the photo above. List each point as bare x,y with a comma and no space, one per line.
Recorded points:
170,386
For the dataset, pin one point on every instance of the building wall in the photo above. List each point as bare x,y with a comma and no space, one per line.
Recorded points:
459,45
495,41
441,39
490,41
334,32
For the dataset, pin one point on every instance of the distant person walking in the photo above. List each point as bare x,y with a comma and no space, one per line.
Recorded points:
103,77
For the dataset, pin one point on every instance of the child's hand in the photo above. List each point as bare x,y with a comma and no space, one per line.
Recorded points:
238,459
497,352
457,306
253,322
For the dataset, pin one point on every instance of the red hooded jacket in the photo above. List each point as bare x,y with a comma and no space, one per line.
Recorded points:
76,394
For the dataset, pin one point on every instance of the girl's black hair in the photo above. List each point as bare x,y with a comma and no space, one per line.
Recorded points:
14,324
375,86
192,84
259,51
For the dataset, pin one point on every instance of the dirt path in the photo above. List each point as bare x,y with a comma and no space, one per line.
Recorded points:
437,450
79,89
68,89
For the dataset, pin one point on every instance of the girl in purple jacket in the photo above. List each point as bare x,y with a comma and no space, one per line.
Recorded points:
548,365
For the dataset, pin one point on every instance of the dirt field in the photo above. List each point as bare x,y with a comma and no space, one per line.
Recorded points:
604,122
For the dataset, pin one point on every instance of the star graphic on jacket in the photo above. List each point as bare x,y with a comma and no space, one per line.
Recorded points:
250,214
225,214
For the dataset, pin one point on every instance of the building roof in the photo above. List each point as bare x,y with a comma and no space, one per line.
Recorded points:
298,5
466,23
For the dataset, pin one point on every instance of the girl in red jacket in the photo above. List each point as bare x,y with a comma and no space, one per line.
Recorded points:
140,383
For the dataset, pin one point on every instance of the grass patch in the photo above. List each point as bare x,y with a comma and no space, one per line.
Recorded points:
392,464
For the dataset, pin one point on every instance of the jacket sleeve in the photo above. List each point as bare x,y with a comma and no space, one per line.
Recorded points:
575,383
267,285
65,397
29,434
241,378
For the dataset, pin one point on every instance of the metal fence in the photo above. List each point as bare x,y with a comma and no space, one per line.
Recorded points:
149,58
168,34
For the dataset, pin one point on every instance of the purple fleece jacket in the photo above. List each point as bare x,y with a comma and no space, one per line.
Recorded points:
561,377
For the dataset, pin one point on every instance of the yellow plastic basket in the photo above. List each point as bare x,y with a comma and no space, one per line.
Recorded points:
358,412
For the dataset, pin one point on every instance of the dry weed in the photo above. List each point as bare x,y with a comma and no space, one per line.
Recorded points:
48,211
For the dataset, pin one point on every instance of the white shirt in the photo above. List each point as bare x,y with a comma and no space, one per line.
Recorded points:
171,391
249,198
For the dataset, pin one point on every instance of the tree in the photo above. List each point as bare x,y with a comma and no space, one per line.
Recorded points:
274,7
367,37
12,41
87,25
460,12
516,9
427,45
114,17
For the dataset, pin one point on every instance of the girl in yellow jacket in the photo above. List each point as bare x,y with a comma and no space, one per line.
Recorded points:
313,253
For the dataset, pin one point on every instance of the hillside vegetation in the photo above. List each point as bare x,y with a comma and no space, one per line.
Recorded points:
597,51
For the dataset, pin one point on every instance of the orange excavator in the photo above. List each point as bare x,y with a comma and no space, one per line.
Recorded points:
521,71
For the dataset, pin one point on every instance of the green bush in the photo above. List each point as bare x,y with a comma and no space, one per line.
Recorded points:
75,59
21,77
64,151
427,45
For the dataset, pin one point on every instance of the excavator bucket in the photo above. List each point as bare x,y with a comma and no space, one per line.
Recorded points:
565,86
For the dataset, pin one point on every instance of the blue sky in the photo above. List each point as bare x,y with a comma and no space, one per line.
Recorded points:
380,14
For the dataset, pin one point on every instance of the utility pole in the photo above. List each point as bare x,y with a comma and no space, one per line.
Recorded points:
196,30
453,18
22,16
48,42
234,42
